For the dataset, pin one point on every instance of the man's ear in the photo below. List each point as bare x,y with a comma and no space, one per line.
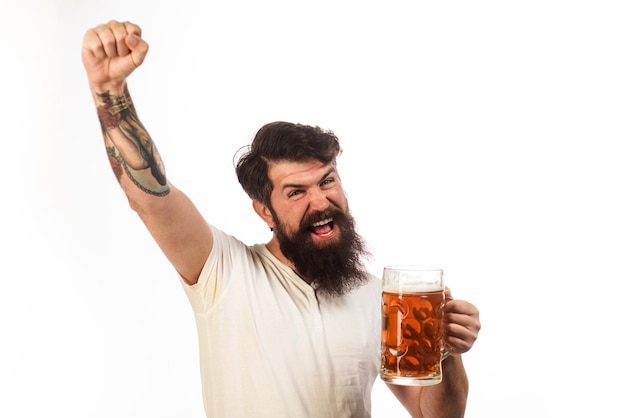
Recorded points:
264,212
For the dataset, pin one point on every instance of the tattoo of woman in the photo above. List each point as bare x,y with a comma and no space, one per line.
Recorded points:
133,150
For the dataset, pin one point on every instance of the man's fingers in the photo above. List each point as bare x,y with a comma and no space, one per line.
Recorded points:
112,39
138,49
129,40
112,51
461,325
460,307
108,43
132,28
459,337
92,44
117,40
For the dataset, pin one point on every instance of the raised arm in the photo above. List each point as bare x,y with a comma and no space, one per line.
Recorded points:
110,54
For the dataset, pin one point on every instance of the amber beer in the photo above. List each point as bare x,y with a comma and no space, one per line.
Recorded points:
412,336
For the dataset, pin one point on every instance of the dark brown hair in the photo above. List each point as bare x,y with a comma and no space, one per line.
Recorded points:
282,141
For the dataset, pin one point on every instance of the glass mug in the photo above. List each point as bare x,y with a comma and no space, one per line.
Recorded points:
412,346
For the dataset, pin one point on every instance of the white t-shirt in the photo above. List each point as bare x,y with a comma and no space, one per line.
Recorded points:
271,347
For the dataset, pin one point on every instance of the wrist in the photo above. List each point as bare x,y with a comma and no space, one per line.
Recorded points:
113,88
113,107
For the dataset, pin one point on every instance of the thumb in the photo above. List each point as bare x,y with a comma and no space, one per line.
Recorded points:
138,48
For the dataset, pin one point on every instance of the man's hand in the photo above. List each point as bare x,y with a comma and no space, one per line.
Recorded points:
461,324
111,53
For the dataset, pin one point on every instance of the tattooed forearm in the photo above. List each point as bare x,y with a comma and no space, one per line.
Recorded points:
110,111
116,162
133,150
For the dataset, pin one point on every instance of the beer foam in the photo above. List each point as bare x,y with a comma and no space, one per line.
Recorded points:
413,288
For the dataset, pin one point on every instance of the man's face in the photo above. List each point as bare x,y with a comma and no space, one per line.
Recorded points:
303,194
313,225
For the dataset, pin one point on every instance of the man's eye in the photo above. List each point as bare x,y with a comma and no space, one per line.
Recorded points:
328,181
294,193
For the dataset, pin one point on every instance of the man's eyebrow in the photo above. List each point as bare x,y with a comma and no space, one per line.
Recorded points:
330,171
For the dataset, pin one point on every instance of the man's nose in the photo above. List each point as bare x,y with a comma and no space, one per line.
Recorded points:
319,202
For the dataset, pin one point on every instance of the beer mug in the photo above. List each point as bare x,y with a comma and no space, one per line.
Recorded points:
412,346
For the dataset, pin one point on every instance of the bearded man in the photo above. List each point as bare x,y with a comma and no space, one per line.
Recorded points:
290,172
290,328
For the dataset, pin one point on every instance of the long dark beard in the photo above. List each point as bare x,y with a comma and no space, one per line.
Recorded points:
335,267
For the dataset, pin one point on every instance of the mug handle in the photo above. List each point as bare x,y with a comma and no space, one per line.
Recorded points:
447,350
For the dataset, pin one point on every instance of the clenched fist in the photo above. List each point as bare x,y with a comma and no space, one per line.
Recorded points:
461,324
111,53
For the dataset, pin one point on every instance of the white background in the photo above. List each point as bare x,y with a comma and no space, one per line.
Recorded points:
483,136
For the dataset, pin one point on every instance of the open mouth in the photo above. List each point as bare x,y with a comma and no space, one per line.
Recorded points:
324,228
